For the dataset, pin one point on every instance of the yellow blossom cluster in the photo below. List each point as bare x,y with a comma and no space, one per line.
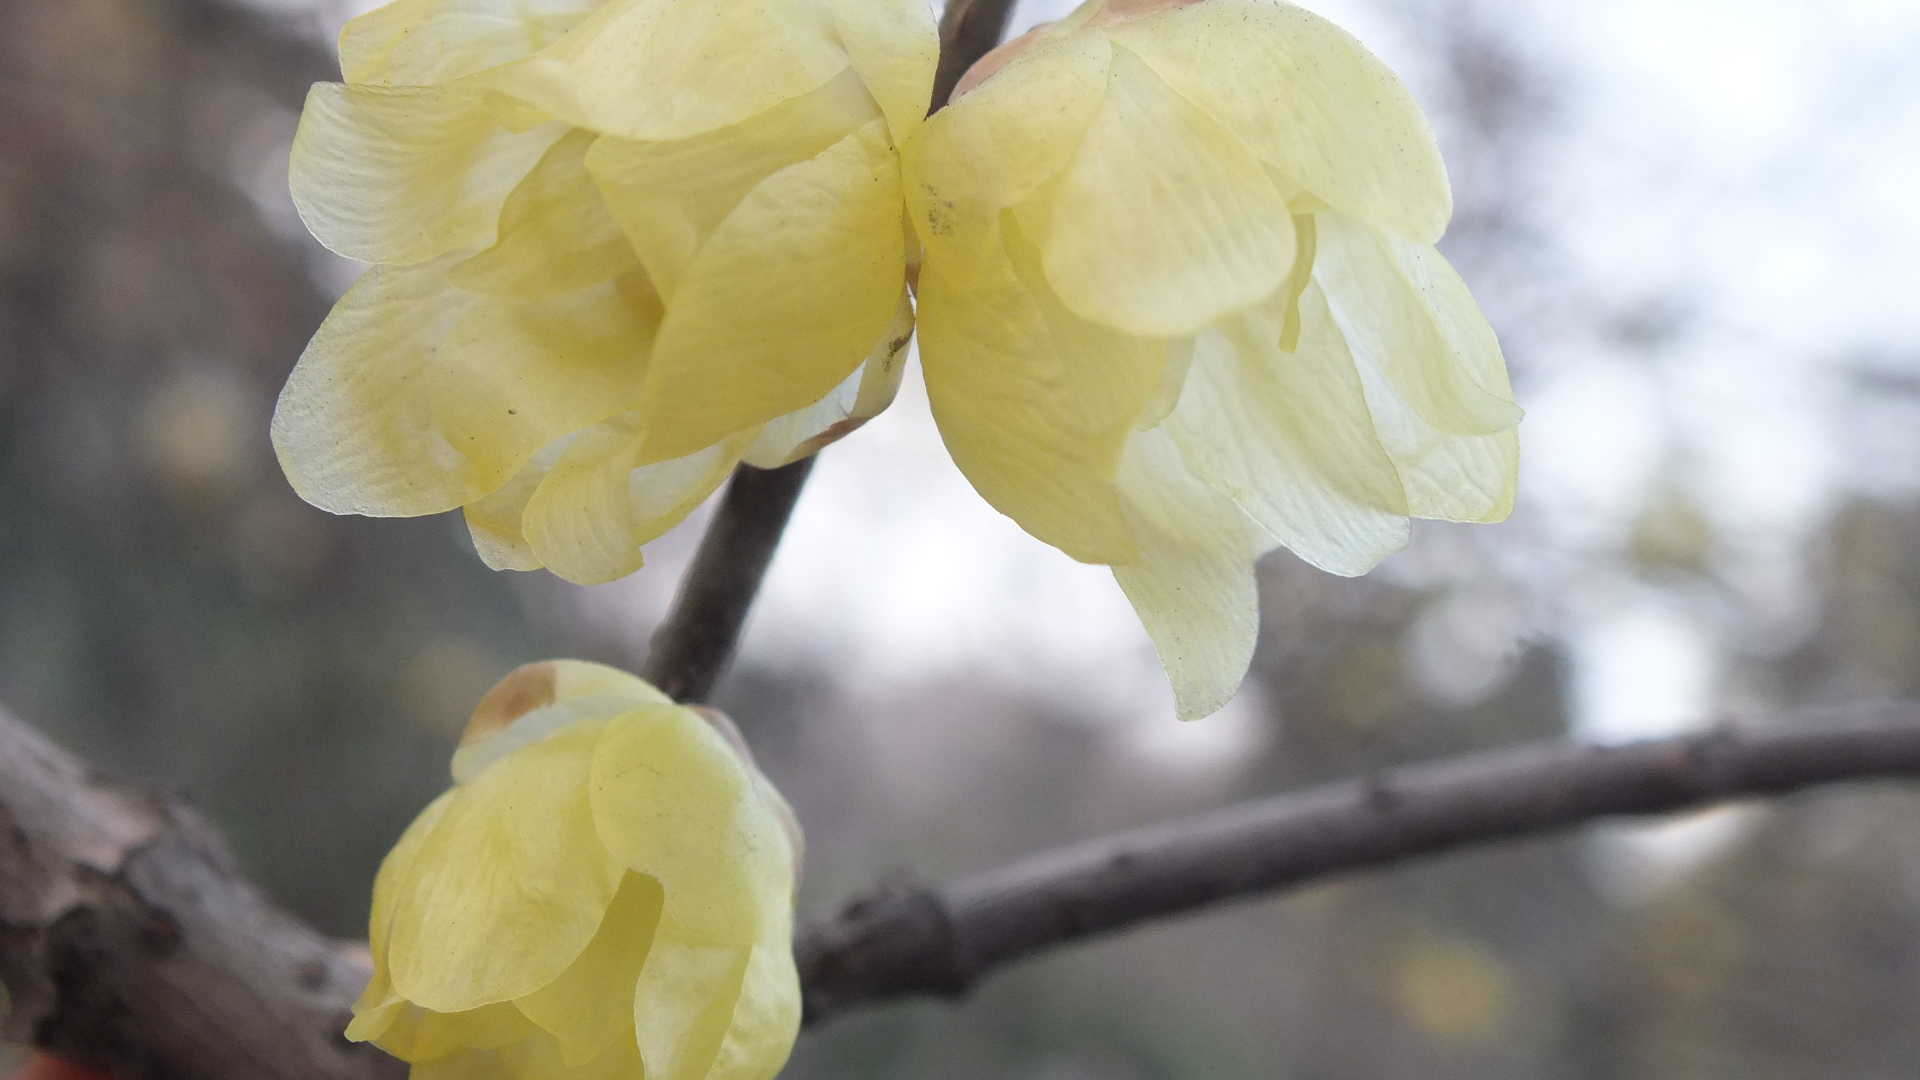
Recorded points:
1172,260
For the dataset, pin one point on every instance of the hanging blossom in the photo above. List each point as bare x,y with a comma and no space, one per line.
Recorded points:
1178,298
618,247
606,893
1180,305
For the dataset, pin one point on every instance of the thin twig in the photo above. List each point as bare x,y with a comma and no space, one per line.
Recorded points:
941,941
692,648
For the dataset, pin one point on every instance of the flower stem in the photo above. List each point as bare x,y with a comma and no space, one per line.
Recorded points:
693,646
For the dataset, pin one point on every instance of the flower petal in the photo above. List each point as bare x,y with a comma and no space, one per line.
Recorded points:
684,1005
783,301
1193,584
1035,404
663,69
1310,100
590,516
674,801
859,397
1432,368
405,174
992,149
894,46
416,396
508,885
1288,437
590,1006
423,42
671,196
556,234
1165,221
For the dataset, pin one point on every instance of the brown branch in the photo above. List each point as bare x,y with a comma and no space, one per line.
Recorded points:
942,940
130,942
692,648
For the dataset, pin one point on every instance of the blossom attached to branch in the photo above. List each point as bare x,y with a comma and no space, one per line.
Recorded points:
1180,305
606,892
618,246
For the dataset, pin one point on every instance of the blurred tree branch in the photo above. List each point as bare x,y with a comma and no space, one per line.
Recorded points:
128,940
942,940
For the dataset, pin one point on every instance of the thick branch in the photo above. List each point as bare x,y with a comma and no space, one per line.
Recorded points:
940,941
693,646
129,941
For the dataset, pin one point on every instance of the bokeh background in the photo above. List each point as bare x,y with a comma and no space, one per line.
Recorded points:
1691,222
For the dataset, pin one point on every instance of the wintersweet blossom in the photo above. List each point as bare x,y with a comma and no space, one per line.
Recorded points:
1180,305
618,246
606,894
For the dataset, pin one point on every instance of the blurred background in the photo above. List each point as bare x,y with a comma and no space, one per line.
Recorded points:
1692,224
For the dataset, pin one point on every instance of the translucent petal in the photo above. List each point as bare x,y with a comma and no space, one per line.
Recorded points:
992,148
1193,583
670,196
859,397
683,1006
556,234
1307,97
662,69
497,522
784,300
1289,438
590,1006
508,885
1034,403
766,1018
673,800
405,174
416,396
1164,221
421,42
589,517
1432,367
894,46
414,1034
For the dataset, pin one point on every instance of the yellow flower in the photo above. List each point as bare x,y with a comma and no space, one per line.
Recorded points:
618,246
1180,305
606,893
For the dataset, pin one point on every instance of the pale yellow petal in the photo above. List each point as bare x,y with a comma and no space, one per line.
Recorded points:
421,42
1433,370
421,1035
859,397
1034,403
598,505
416,396
894,46
663,69
684,1005
497,522
590,1006
1287,435
784,300
1193,584
670,196
766,1018
508,885
556,234
1164,221
1307,98
993,148
405,174
673,800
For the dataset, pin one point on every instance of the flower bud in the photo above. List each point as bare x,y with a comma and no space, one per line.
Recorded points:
606,892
